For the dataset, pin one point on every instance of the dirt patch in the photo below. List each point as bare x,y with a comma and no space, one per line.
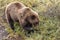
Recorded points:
4,35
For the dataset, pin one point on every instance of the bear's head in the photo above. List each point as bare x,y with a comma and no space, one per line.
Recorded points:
29,18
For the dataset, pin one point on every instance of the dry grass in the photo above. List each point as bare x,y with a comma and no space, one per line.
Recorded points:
49,13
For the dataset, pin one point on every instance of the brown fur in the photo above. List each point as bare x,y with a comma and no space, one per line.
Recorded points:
17,12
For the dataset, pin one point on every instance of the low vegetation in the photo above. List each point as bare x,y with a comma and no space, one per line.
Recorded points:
49,15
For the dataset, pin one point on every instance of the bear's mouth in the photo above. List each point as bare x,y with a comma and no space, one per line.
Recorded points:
28,26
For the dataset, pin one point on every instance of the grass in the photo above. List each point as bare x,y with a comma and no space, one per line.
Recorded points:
49,27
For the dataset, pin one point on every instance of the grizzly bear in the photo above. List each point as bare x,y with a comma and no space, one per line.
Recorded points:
18,12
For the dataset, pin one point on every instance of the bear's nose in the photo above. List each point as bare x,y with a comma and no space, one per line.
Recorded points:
36,23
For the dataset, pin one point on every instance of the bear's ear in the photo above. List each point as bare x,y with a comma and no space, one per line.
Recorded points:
18,5
27,10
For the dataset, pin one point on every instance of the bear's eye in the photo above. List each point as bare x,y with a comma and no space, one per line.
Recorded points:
33,17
